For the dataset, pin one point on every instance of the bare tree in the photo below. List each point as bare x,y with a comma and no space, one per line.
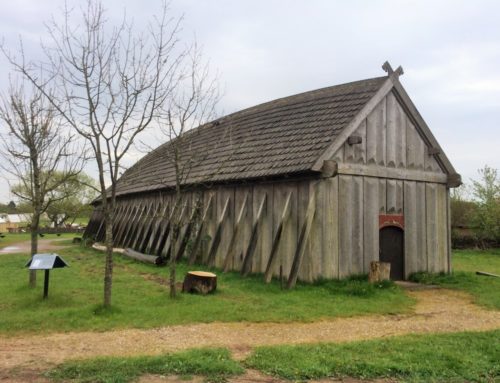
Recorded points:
110,81
37,153
192,103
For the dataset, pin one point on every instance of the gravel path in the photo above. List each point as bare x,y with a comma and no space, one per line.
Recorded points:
437,310
25,246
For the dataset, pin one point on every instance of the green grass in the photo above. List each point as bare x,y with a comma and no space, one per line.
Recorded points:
140,297
485,290
459,357
215,364
21,237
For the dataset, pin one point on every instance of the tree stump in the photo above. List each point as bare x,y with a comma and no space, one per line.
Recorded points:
379,271
200,282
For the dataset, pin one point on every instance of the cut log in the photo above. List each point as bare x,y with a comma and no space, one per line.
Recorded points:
484,273
153,259
200,282
379,271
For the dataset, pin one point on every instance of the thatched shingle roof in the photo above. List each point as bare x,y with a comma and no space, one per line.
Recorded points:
278,138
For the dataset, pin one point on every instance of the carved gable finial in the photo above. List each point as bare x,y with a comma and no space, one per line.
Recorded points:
388,68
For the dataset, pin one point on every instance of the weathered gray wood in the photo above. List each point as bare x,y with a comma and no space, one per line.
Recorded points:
273,256
431,221
379,271
153,259
186,233
307,265
421,227
376,135
354,124
303,239
382,195
197,237
411,228
397,174
329,168
231,251
265,229
415,148
210,225
149,227
357,227
218,232
412,111
370,221
448,227
442,228
396,133
224,193
345,225
252,243
153,240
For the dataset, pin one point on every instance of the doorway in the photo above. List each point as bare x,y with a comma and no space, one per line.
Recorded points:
391,240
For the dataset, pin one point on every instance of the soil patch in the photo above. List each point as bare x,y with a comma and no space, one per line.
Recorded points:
25,246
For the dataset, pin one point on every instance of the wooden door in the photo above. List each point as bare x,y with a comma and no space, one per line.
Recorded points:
392,250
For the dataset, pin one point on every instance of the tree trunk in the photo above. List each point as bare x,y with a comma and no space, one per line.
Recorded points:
108,268
34,227
34,250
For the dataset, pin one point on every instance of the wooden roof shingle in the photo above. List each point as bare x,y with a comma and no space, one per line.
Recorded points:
277,138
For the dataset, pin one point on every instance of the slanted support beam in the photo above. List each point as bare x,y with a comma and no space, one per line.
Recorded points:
187,232
232,244
303,238
254,236
216,240
197,236
277,240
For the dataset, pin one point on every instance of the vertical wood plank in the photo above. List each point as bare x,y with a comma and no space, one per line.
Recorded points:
421,227
432,220
411,228
376,135
392,132
345,225
265,235
370,221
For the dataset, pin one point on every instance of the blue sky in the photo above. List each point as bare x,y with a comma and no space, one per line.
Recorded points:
265,49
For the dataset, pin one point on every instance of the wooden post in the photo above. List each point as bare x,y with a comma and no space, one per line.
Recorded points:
197,237
46,284
304,236
379,271
187,233
254,236
277,239
232,244
216,240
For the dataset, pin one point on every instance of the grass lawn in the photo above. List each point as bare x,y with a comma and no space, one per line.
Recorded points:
214,364
485,290
140,297
20,237
459,357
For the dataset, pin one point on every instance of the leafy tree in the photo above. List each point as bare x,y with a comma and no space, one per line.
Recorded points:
80,192
34,149
486,219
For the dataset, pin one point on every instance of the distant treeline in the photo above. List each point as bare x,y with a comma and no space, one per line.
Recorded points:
475,212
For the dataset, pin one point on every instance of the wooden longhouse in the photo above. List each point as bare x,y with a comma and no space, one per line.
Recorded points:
315,185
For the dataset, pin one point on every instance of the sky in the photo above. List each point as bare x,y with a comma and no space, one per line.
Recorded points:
266,49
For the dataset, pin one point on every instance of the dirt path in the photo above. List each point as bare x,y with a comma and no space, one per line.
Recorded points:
436,310
25,246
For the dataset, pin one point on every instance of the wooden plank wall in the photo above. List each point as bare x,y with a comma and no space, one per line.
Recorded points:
344,234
